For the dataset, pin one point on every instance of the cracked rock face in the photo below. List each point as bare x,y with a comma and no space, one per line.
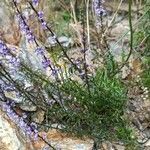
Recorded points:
9,30
10,138
62,141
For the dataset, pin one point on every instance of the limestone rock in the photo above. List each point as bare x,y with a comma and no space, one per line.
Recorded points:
147,144
9,30
119,30
64,142
119,147
107,146
10,138
28,106
125,72
65,41
38,116
12,95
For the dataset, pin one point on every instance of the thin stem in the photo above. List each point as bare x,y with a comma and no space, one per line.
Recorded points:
8,77
85,50
5,98
53,34
87,23
52,69
131,39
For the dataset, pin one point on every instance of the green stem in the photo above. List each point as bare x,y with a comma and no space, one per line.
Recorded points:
131,30
131,38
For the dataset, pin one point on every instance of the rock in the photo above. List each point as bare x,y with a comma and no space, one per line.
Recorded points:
113,6
107,146
65,41
9,29
132,106
28,106
141,117
147,144
10,138
12,36
125,72
12,95
119,147
57,126
137,123
147,104
38,117
147,132
51,41
119,30
136,65
28,55
141,138
64,142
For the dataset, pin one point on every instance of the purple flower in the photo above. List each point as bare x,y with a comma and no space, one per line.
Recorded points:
40,14
25,29
13,49
35,135
22,24
5,107
54,72
30,36
46,62
44,136
14,61
3,49
27,129
33,126
21,123
39,50
44,24
35,2
98,8
6,86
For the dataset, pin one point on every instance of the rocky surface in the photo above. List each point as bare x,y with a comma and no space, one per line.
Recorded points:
9,30
65,41
10,136
138,112
64,142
